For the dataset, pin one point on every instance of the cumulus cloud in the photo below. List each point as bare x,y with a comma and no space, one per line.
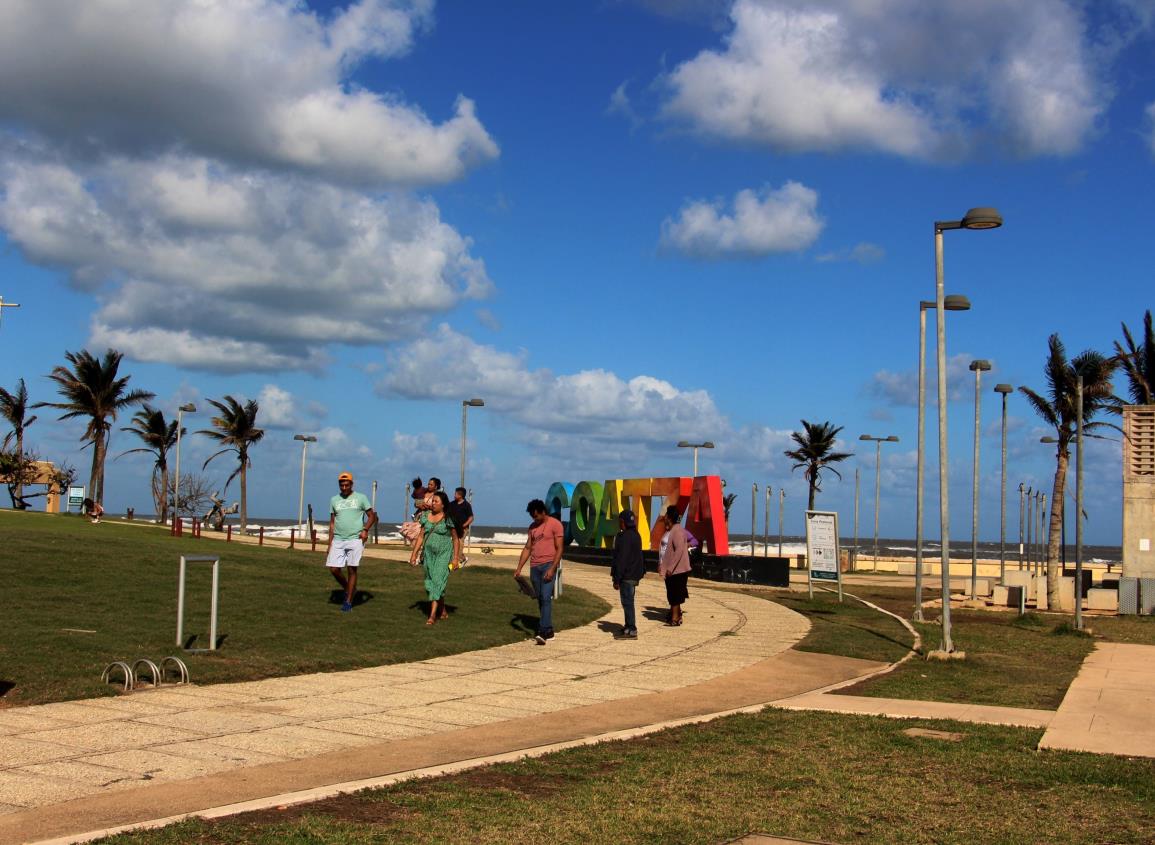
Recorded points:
756,223
901,388
860,253
196,264
620,105
797,75
141,79
594,403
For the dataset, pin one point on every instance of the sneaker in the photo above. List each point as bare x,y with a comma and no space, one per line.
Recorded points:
626,634
346,607
540,638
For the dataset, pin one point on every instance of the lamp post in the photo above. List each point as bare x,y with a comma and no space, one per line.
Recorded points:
1003,390
305,439
1021,496
466,404
975,218
187,408
753,516
856,485
978,368
781,514
954,302
1078,503
1041,520
766,525
1030,530
685,444
878,441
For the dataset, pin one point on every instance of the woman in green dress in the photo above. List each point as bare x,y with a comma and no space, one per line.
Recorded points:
440,548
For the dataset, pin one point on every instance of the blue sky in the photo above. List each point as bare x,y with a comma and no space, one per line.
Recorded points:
622,224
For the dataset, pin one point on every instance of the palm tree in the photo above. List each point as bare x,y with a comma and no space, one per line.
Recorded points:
235,429
1058,410
93,389
158,436
14,409
1139,363
814,452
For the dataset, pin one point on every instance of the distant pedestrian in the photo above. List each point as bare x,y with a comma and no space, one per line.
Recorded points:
93,510
438,548
461,512
543,549
627,569
418,494
674,563
351,517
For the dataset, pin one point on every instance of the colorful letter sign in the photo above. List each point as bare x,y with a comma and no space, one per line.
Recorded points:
594,508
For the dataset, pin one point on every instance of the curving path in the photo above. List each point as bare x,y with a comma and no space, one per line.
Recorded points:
78,765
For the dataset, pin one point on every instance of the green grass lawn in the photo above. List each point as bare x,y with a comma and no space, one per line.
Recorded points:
806,775
77,596
1011,661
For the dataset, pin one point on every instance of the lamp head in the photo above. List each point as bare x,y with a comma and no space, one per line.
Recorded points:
1048,440
865,437
1004,389
709,444
892,439
983,217
684,444
980,365
188,408
473,403
305,438
956,302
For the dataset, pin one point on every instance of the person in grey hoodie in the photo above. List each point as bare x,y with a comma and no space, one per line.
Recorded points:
627,569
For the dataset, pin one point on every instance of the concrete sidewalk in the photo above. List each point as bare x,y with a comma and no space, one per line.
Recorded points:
77,767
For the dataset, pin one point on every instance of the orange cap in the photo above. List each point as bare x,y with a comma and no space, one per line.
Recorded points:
345,476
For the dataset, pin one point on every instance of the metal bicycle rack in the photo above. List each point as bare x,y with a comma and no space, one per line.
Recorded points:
178,667
129,677
153,671
215,561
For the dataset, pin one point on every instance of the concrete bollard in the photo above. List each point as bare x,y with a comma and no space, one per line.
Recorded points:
292,538
228,533
314,539
261,537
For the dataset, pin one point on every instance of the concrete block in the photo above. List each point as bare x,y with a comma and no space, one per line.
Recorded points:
1040,584
983,587
1000,596
1102,599
1066,594
905,568
1021,578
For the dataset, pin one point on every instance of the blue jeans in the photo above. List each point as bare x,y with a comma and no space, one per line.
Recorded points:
544,596
627,590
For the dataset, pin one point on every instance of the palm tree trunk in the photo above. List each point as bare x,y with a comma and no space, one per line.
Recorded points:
96,478
161,495
244,498
19,492
812,492
1058,490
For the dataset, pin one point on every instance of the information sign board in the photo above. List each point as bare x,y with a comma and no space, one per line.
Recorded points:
75,497
822,552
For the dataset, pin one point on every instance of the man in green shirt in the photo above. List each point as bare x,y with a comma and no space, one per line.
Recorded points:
350,519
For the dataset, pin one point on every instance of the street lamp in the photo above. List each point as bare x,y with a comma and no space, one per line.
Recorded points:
466,404
685,444
978,368
976,218
187,408
305,439
1021,503
878,441
1003,390
954,302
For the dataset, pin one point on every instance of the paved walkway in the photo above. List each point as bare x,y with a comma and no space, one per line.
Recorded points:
74,767
1110,706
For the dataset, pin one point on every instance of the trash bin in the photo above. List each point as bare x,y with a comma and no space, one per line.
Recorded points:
847,559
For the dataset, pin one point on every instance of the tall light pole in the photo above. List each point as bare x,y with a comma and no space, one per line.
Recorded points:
878,441
187,408
856,476
976,218
1078,503
305,439
954,302
1031,499
685,444
1003,390
978,368
753,516
1022,494
766,525
466,404
1041,519
781,514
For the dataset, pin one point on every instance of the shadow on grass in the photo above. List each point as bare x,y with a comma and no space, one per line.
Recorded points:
5,686
525,623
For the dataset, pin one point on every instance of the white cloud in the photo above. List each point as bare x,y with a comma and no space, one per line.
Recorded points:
199,265
901,388
757,223
620,104
264,82
797,75
860,253
591,403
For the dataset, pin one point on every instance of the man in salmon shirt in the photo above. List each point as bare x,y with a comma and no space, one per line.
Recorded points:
543,551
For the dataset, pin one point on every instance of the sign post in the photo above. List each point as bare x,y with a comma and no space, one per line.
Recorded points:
75,497
822,552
